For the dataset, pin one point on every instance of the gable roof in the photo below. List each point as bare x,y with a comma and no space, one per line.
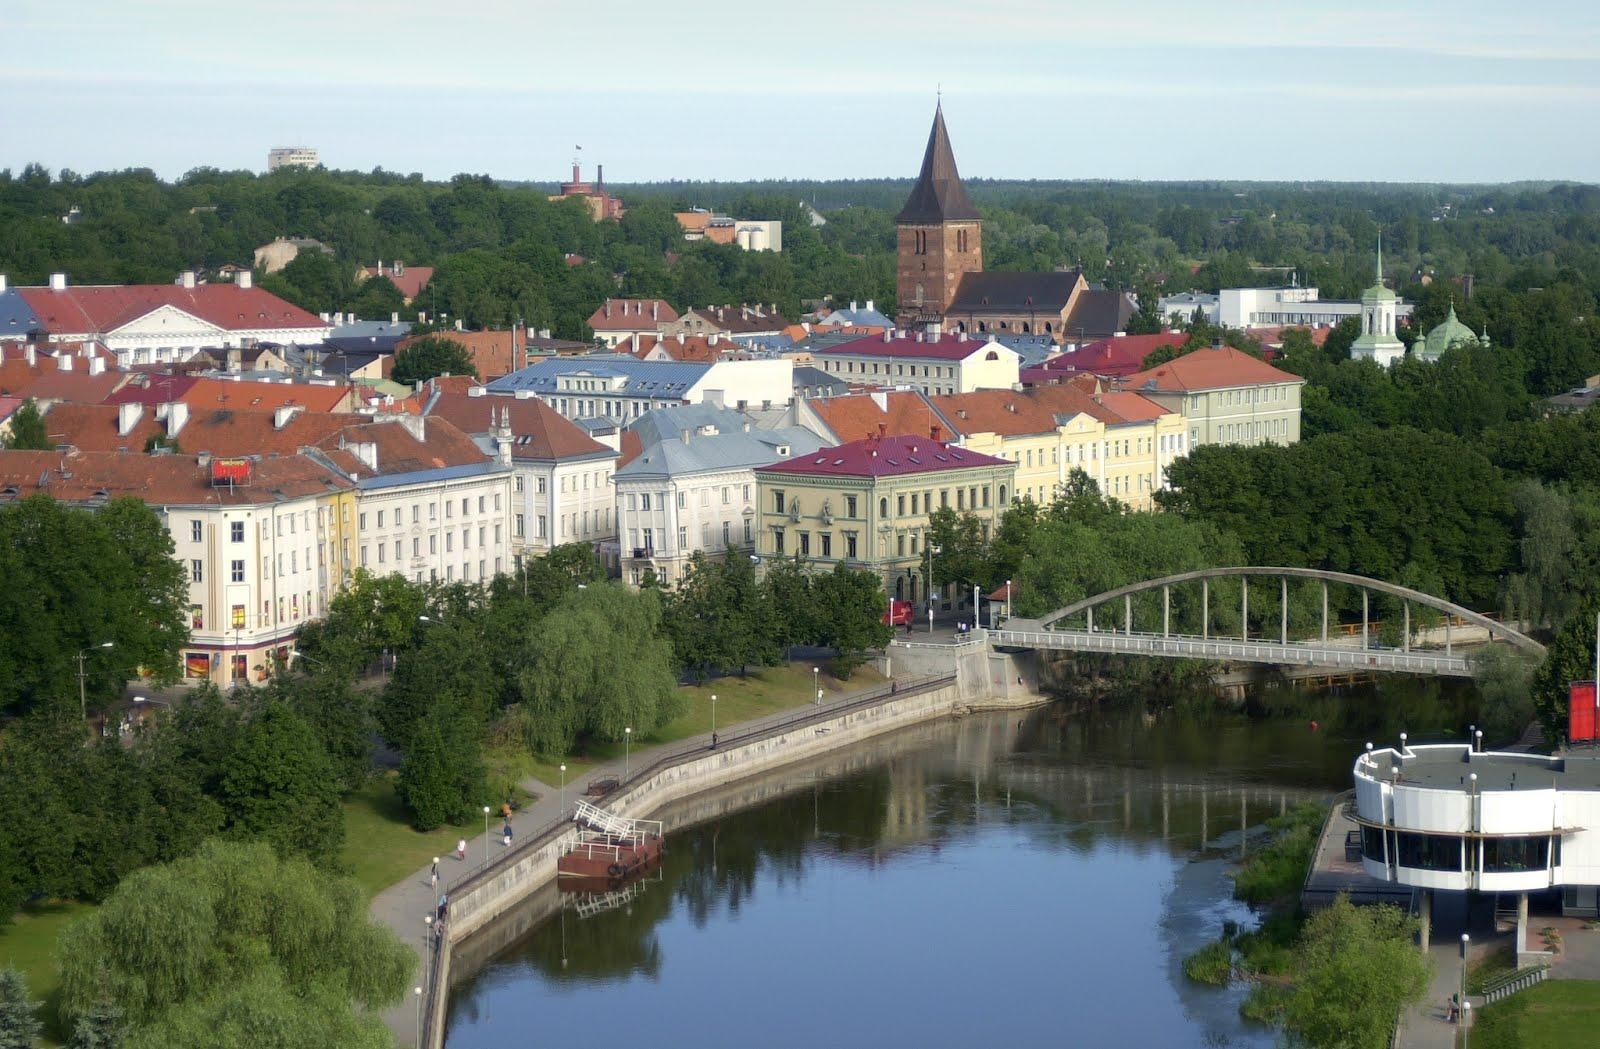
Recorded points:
1006,290
631,314
76,386
1100,311
943,346
107,307
1003,412
171,480
408,280
538,430
902,413
938,195
884,457
1121,355
399,451
202,394
1212,368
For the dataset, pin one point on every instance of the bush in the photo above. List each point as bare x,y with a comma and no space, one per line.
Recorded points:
1211,964
1276,873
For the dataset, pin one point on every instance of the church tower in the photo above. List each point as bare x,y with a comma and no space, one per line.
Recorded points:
938,236
1379,308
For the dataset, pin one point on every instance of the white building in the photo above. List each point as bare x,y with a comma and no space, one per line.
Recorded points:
623,388
1276,307
1443,817
1225,396
1189,306
935,364
291,157
691,485
1379,310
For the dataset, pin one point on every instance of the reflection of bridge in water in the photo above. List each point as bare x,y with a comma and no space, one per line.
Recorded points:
1320,650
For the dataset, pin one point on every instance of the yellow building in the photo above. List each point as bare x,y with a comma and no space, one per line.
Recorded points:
867,503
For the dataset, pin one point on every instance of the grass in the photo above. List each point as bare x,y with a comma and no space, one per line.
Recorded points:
1212,964
764,691
1550,1015
1498,962
380,845
1275,874
28,945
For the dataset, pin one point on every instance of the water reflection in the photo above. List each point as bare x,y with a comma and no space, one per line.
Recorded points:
996,877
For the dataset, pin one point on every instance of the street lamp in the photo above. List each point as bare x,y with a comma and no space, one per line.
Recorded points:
417,991
427,945
1008,599
1466,940
713,715
486,835
83,700
931,551
816,686
563,790
627,753
1466,1024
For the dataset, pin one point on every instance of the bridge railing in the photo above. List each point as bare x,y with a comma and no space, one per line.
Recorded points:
1234,649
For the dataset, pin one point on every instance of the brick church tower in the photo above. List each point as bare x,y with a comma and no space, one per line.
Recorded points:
938,236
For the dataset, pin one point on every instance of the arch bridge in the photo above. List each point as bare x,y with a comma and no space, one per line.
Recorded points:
1353,653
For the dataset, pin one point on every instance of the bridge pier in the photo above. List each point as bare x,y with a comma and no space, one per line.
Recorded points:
1324,611
1283,607
1244,608
1166,611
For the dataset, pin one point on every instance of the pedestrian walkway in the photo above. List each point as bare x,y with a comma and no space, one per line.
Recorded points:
404,905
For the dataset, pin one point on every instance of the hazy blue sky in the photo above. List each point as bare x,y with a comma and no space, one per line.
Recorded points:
1468,90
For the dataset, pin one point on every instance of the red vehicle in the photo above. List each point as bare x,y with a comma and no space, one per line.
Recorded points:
899,613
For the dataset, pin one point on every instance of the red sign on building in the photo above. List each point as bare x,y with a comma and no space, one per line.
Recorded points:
1583,713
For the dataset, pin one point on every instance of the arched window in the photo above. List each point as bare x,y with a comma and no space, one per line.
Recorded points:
883,507
983,325
1025,329
919,295
1002,495
991,356
1047,327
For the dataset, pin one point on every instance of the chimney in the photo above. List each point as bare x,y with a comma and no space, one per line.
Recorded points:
933,431
575,177
881,399
869,305
683,435
128,416
186,278
64,362
58,282
608,308
477,391
599,176
31,353
398,269
244,279
680,338
2,283
97,365
655,309
281,416
177,416
888,335
394,318
852,305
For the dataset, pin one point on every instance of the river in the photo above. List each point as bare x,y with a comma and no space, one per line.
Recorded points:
1034,878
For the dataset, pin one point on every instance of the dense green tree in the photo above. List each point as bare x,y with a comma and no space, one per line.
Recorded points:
717,617
442,776
376,299
260,1012
27,430
371,615
101,1026
278,786
432,355
177,936
1355,968
963,557
19,1021
1569,657
852,603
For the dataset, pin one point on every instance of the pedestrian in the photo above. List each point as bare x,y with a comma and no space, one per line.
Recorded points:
461,850
1453,1010
433,874
713,741
444,905
505,810
506,830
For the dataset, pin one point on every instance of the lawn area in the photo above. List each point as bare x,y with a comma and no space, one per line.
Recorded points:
380,847
1552,1015
29,944
763,691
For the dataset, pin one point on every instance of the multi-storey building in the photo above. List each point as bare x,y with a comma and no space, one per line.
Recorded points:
561,478
1225,396
687,484
867,503
263,542
934,363
291,157
617,320
622,388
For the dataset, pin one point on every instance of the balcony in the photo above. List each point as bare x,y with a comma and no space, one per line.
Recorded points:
641,553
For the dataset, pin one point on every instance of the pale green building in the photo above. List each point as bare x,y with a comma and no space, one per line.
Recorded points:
1379,308
1452,332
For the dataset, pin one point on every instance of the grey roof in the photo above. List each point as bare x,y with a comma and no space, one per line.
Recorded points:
645,379
730,447
1099,313
1032,349
1014,291
369,329
938,195
853,315
814,382
16,317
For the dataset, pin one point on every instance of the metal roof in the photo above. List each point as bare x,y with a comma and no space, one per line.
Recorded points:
652,379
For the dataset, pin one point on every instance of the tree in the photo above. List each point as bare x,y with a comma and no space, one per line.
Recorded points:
27,429
101,1026
19,1026
963,545
717,619
280,787
262,1013
187,935
442,773
429,356
1570,657
1355,968
376,299
854,625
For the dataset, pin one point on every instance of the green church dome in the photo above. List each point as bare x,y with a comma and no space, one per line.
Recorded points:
1451,333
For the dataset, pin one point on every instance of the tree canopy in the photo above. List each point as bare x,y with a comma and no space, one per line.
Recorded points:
430,356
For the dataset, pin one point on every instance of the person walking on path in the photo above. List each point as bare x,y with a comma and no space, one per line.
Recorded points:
461,850
506,830
433,874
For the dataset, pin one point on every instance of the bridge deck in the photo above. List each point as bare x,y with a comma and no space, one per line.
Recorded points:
1031,634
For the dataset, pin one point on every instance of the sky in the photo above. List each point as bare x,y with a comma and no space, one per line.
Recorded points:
1346,90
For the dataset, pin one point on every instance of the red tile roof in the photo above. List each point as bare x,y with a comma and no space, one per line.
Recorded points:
408,280
539,431
107,307
77,386
902,413
1002,412
1212,368
942,347
400,452
884,457
1121,355
173,480
1132,407
631,314
202,394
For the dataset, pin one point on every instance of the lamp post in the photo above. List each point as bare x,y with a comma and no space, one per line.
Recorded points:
713,714
83,695
1466,1024
627,753
427,945
931,551
816,685
1466,940
486,835
563,790
417,992
1008,599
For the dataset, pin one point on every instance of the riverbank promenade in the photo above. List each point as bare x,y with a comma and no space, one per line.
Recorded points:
405,905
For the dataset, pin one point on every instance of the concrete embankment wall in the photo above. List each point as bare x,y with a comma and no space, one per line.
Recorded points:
532,867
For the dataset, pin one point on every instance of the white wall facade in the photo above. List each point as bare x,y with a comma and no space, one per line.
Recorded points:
561,502
437,528
663,521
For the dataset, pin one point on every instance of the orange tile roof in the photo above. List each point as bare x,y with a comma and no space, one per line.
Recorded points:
409,280
400,452
173,480
77,386
1212,368
221,431
1132,407
631,314
904,413
107,307
205,394
1002,412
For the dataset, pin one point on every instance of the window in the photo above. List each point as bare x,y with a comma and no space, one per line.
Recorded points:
433,544
747,533
850,545
236,531
727,533
517,528
725,492
849,506
683,500
747,493
381,550
1429,852
644,501
1508,855
363,555
238,572
540,524
497,502
241,664
416,512
649,540
449,542
683,539
196,531
416,547
449,509
901,501
900,546
777,540
805,544
827,544
538,487
237,618
197,617
777,501
380,519
197,571
517,486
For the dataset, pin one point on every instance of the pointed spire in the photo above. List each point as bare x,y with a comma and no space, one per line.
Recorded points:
938,195
1380,257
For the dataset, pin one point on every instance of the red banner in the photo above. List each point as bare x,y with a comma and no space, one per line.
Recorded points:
1583,714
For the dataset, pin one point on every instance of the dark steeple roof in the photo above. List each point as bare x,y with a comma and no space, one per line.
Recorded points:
938,195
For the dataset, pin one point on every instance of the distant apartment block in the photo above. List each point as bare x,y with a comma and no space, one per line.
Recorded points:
749,234
291,157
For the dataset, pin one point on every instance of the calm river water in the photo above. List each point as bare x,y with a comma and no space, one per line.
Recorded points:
1034,878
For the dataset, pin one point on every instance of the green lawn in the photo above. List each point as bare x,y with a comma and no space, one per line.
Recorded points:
763,691
29,944
1552,1015
380,847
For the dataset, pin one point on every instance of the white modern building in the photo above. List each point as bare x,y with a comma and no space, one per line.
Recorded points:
1449,818
933,363
291,157
1281,307
1189,306
623,388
